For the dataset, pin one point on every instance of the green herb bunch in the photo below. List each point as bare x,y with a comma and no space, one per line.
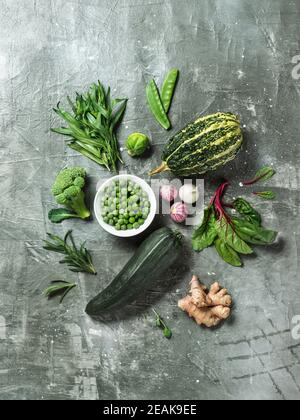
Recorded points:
79,260
91,127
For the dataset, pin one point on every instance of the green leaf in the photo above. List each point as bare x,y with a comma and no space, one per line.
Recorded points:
266,195
167,333
159,322
204,235
59,287
63,131
254,234
265,173
229,255
59,215
118,115
246,210
228,235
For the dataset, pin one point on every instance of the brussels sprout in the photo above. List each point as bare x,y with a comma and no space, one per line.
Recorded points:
137,144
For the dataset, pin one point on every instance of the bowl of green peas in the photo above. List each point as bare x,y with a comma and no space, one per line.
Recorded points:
125,206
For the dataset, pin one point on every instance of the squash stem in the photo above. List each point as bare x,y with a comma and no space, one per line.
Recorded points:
162,168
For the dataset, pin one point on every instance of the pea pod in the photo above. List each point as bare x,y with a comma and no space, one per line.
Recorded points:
156,105
168,88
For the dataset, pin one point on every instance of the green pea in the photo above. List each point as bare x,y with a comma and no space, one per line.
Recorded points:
135,198
156,105
124,227
129,226
118,227
132,220
136,225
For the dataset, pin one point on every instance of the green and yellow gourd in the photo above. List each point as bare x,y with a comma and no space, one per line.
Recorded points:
208,143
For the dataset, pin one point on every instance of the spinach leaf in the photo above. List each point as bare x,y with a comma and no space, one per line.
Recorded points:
205,234
228,235
229,255
246,210
253,234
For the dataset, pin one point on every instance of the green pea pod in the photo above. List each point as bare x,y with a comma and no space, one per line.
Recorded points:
156,105
168,88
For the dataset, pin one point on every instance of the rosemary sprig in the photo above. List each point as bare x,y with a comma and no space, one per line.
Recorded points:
59,287
160,323
79,260
92,125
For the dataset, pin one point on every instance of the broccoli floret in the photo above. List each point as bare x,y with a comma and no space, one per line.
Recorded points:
68,191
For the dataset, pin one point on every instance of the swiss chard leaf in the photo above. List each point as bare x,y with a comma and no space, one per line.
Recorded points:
228,235
246,210
205,235
264,174
266,195
253,234
229,255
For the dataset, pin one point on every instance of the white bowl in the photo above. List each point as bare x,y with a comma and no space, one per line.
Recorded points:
125,233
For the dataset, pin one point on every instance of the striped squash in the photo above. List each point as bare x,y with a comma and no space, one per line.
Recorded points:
203,146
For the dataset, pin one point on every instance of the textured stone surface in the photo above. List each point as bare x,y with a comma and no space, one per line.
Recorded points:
233,55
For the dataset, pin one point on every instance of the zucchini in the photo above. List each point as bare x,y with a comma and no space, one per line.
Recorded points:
154,256
202,146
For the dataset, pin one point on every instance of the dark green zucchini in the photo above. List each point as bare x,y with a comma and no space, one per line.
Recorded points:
154,256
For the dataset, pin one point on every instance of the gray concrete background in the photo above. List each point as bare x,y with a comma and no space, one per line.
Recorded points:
234,55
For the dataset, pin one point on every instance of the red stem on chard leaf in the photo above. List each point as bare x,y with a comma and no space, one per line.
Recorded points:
255,180
218,203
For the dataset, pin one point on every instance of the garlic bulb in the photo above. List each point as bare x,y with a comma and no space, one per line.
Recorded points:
179,212
189,194
168,193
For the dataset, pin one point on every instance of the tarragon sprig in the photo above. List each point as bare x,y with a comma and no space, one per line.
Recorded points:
91,127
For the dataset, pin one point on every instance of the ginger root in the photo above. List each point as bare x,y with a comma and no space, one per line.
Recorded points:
207,308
